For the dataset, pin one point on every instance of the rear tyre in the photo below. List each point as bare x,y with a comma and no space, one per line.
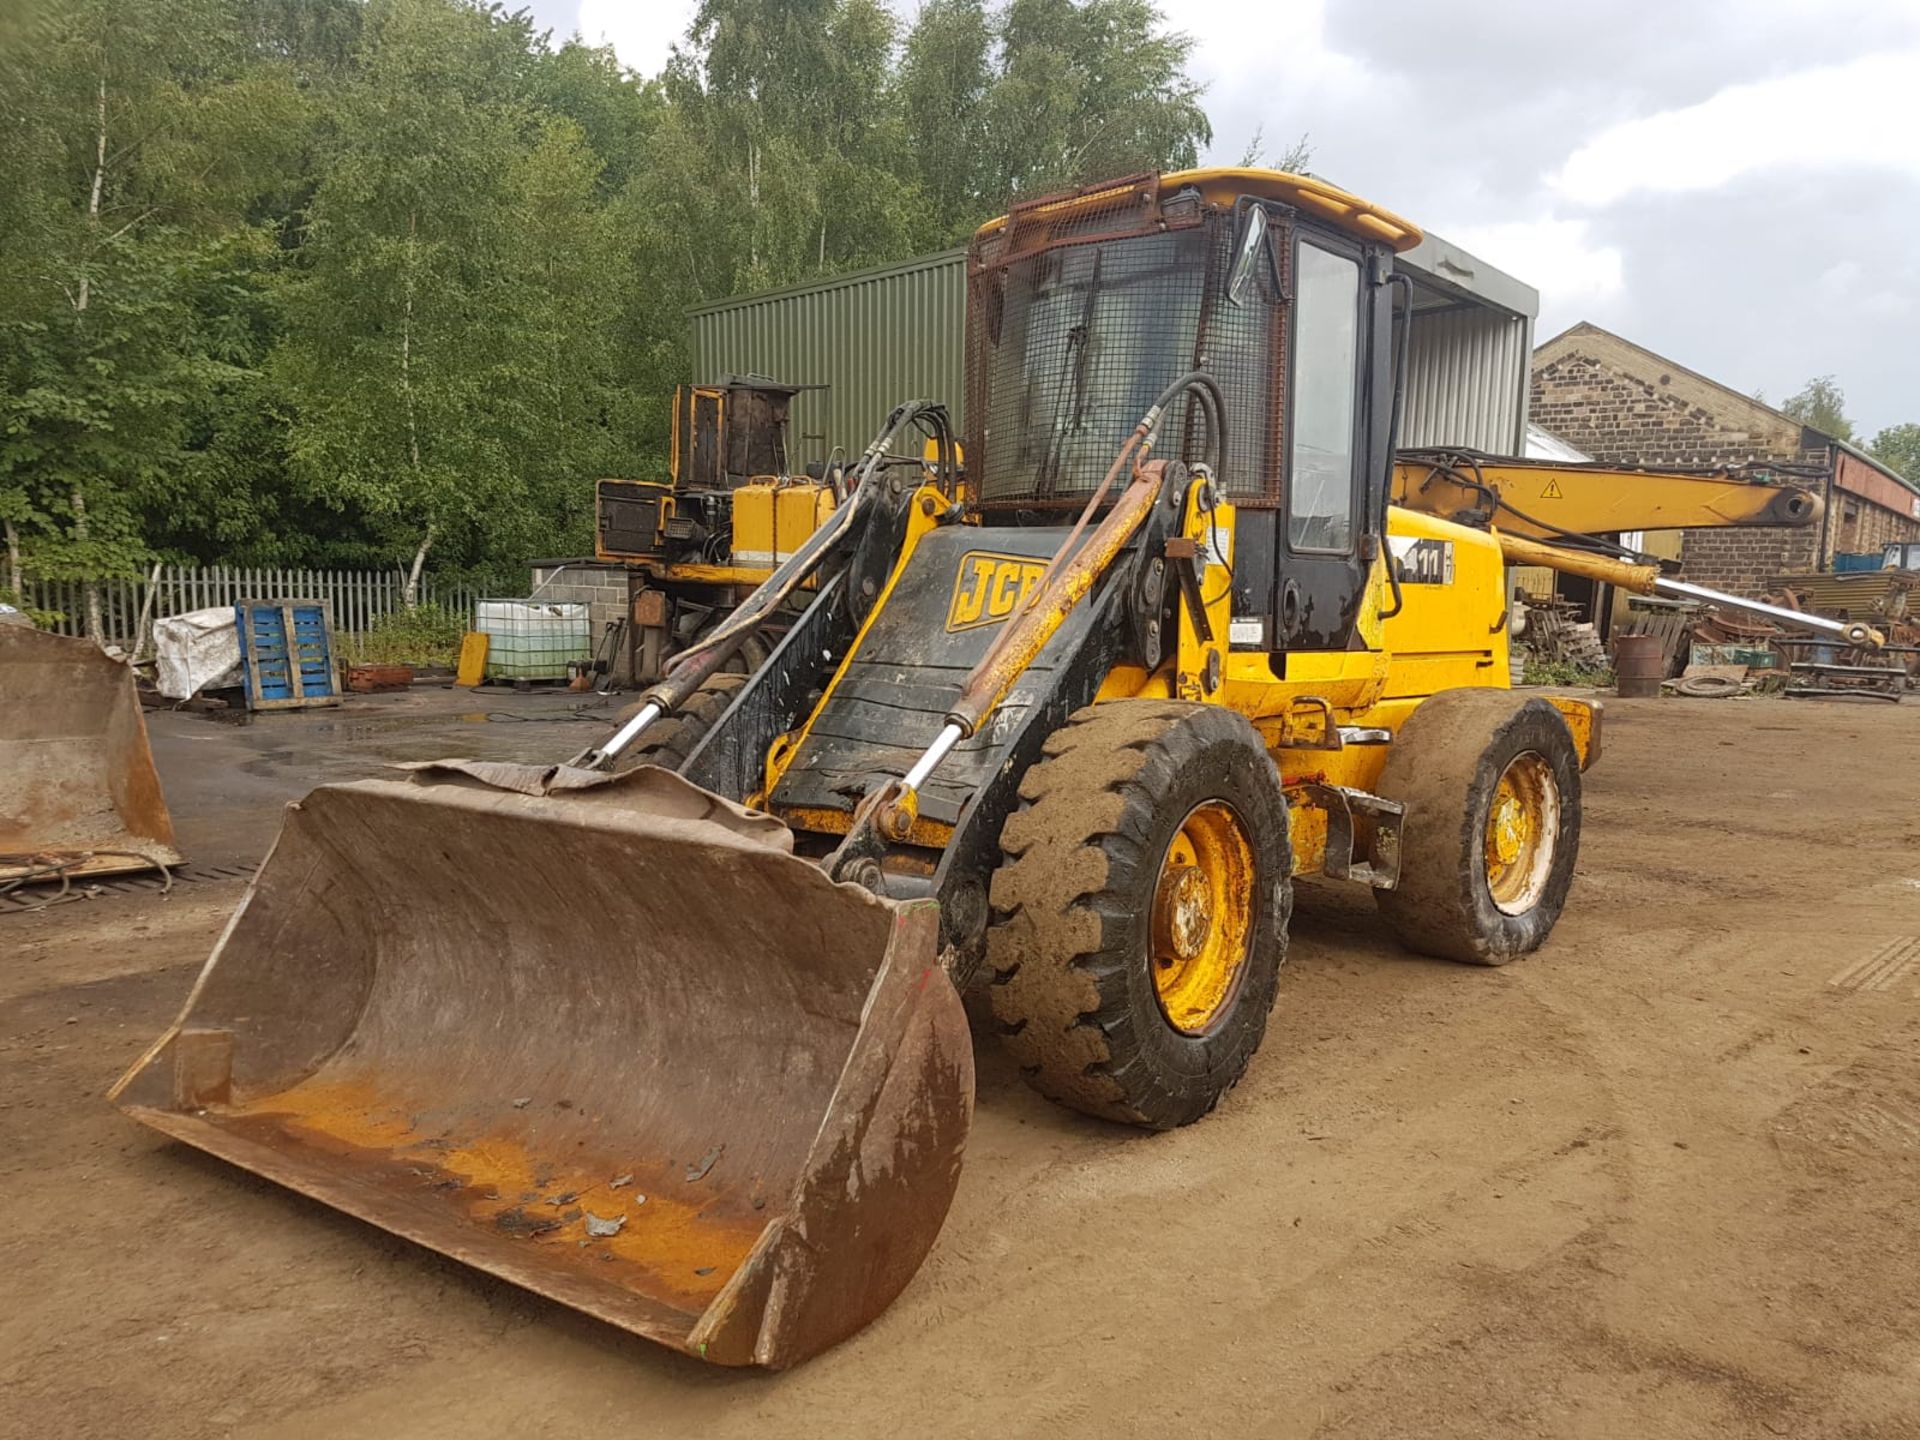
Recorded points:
670,740
751,655
1492,789
1140,913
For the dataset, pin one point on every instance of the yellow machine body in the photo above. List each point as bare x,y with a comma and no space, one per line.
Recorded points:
1450,632
774,518
1542,499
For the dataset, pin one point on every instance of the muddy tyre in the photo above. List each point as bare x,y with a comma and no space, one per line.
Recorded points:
1492,789
669,741
751,655
1140,912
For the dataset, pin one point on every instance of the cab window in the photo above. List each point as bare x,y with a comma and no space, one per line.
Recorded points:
1325,370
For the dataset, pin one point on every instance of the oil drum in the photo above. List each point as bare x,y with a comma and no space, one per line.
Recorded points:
1638,666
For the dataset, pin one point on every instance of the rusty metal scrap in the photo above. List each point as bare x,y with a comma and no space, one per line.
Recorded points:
78,792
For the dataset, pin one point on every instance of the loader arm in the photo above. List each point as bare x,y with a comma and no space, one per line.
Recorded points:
1540,499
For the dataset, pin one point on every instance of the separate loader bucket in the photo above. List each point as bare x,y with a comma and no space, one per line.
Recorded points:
78,792
613,1043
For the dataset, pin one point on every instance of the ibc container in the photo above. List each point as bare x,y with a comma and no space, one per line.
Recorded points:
533,639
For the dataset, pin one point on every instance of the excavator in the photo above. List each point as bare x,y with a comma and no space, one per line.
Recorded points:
731,509
671,1030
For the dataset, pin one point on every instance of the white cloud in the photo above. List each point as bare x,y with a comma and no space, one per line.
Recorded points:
1265,46
1557,257
1856,114
641,32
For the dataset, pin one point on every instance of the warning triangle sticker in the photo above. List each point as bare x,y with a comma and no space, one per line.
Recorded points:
1552,492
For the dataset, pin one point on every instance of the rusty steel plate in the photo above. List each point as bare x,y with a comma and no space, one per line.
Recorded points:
78,791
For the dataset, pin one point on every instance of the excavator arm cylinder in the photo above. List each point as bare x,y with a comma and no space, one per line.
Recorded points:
1641,579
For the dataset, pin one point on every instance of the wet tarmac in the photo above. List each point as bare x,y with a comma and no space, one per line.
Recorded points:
227,773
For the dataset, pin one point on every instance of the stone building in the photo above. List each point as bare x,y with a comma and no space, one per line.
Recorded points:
1623,404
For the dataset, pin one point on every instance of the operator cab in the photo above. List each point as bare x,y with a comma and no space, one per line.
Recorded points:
1083,307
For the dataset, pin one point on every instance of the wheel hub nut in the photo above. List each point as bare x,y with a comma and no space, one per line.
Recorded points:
1187,911
1509,825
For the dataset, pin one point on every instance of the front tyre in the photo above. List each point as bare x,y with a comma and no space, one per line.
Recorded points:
1140,913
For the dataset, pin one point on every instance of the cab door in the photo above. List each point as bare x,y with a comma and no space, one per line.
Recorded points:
1334,431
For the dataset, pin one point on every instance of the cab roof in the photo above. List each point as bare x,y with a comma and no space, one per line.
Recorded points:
1224,185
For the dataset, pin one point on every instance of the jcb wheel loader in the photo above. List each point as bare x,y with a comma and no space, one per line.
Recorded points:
686,1050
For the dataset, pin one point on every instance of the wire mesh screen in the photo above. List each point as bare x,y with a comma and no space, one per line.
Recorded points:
1081,311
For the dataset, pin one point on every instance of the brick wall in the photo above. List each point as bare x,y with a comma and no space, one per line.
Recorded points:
1860,525
603,589
1742,561
1625,405
1627,419
1868,510
1630,420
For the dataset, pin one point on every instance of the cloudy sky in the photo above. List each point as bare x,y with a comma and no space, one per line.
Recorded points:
1733,183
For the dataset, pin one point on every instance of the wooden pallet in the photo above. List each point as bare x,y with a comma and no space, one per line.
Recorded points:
286,654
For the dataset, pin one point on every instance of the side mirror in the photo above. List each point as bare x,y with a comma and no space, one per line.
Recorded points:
1242,283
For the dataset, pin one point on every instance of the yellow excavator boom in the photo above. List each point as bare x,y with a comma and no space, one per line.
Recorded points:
1546,498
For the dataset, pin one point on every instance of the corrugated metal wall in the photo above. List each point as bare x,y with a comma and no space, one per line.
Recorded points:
874,338
1467,380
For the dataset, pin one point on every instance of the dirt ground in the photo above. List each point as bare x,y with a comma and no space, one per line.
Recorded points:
1658,1180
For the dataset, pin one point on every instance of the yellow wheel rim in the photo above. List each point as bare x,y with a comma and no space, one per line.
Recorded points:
1523,827
1202,917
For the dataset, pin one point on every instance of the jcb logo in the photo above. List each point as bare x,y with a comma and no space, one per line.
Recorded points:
987,588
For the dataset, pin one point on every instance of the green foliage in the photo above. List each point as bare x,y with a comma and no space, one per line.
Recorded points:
139,134
365,282
1563,672
1294,159
446,372
1898,446
424,635
41,618
1821,405
1039,95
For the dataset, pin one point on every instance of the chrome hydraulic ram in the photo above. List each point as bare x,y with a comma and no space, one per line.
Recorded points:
690,669
1647,580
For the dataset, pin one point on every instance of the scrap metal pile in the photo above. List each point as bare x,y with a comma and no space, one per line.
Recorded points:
1777,654
1712,652
1821,668
1555,634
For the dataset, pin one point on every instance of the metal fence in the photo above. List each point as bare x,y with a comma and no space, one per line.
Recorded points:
355,599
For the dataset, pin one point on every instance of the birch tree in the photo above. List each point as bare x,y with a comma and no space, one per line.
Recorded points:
388,353
136,132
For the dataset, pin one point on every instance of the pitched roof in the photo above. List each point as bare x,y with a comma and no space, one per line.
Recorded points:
1587,327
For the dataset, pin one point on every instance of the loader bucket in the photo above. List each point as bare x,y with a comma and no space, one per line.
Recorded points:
78,792
615,1044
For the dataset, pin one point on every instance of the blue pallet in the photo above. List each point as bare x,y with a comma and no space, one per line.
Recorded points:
286,654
